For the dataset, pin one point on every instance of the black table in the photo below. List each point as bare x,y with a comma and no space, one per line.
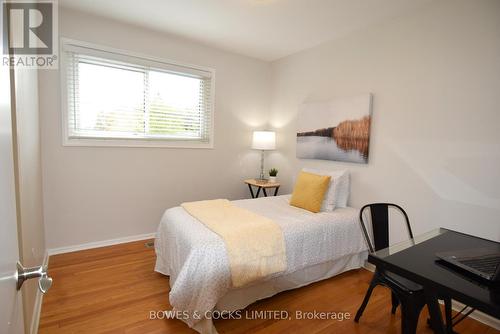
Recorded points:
415,259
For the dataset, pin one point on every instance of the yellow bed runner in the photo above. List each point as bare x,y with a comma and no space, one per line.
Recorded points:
255,244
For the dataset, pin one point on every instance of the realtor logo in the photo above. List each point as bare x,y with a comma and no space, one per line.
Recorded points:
29,33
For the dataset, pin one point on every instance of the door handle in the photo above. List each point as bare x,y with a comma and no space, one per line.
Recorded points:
23,274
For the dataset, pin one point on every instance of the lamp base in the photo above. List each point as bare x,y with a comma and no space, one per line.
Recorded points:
262,177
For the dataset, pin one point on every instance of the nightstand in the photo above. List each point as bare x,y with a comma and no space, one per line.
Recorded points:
262,185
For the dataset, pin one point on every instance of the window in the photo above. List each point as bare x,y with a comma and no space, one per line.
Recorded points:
114,99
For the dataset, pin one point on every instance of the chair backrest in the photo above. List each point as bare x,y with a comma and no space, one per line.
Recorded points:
380,224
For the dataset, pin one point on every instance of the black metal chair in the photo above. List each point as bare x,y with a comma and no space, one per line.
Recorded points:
403,292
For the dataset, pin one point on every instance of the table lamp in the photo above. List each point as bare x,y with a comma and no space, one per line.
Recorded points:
264,141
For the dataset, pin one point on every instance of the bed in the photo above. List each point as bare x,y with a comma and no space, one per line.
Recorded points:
318,246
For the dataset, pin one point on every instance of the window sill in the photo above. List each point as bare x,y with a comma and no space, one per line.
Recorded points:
135,143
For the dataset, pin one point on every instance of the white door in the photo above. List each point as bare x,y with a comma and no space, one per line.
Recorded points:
11,310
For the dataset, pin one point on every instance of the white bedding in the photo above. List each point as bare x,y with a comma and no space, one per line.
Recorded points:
195,257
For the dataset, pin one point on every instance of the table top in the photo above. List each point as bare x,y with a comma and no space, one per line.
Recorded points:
416,260
263,184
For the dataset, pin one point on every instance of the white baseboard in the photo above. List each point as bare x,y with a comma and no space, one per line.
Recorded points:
37,308
103,243
456,306
370,267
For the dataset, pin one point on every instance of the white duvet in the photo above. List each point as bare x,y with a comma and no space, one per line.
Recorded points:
195,257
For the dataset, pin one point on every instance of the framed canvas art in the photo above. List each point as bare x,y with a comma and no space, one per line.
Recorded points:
337,130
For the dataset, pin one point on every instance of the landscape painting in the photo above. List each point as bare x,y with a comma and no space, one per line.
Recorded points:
336,130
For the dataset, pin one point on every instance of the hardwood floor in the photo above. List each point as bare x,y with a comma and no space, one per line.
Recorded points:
113,289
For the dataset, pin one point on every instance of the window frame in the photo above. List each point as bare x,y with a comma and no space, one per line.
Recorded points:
130,57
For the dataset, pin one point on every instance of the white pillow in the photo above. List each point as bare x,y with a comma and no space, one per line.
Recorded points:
338,190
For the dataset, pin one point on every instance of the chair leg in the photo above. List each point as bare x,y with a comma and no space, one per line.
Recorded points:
395,302
410,312
361,309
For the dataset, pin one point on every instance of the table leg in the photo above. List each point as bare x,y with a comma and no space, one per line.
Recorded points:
264,190
448,316
431,299
258,192
251,191
276,191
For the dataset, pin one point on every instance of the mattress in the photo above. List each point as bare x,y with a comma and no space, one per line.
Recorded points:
321,244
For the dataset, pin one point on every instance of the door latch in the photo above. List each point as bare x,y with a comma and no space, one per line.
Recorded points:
23,274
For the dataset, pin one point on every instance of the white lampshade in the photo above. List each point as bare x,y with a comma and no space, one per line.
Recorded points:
264,140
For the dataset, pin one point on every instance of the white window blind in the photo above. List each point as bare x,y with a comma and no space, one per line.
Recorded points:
112,96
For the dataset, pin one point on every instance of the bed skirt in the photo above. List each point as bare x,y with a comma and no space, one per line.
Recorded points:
240,298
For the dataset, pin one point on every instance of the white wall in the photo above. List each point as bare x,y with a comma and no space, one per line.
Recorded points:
435,144
95,193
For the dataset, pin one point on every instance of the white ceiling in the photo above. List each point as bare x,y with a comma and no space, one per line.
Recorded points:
264,29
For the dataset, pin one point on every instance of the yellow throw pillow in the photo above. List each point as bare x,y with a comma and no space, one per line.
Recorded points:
309,191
